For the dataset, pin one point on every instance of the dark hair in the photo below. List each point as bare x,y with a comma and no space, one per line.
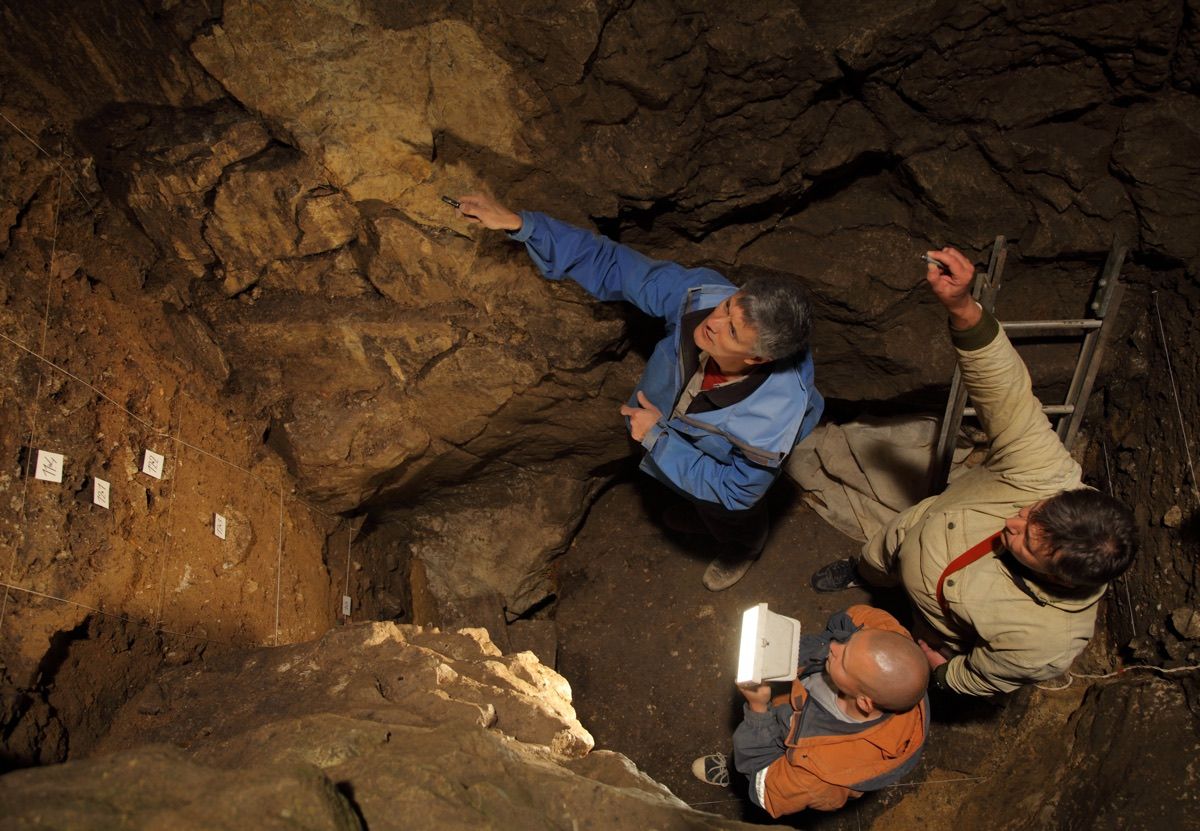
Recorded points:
778,308
1091,535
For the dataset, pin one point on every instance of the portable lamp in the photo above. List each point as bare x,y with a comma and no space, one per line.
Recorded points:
770,646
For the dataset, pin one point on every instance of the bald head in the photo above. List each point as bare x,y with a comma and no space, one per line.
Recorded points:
889,668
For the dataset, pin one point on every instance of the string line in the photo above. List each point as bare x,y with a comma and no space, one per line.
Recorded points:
168,536
279,562
156,431
113,615
1072,676
1187,449
28,138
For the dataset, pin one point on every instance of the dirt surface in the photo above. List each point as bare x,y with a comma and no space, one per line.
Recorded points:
650,653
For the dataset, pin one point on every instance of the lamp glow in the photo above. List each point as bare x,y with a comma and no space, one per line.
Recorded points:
745,671
770,646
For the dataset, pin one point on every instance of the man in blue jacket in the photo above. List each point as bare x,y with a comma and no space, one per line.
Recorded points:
726,393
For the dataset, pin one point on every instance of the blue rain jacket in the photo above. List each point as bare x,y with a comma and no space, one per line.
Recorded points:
729,456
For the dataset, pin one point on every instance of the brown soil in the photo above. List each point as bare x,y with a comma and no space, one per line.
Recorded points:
650,653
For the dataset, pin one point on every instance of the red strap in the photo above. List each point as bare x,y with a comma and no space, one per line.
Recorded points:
963,560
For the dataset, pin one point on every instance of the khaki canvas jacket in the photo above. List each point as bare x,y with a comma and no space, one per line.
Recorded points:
1004,637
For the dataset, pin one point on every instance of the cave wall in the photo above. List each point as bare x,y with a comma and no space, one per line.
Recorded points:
282,164
99,366
244,196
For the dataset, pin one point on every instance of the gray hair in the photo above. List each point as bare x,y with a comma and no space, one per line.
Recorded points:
778,308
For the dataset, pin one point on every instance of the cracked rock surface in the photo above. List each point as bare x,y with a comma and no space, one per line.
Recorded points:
374,726
223,220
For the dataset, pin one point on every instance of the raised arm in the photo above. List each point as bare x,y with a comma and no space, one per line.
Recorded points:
1022,442
606,269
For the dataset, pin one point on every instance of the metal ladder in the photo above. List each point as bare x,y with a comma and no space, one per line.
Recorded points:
1094,333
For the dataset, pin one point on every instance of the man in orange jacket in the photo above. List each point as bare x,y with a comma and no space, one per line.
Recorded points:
855,720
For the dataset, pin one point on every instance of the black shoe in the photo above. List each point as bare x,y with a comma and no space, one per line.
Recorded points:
838,575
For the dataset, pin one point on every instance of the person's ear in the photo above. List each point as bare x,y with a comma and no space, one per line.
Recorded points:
864,703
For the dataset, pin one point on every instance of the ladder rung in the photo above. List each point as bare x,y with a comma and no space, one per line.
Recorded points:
1033,328
1048,409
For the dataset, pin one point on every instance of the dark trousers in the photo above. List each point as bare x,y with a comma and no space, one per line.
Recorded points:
740,535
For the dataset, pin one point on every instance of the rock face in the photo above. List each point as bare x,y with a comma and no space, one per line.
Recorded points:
221,222
377,725
396,348
288,181
101,362
1074,771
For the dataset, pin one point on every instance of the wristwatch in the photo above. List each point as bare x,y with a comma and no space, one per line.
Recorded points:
937,679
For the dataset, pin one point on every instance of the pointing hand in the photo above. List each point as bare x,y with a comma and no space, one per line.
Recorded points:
483,209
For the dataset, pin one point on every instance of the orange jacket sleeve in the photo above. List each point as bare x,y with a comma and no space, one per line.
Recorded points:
868,617
788,789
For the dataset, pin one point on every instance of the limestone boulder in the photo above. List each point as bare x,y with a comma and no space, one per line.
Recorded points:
370,110
858,256
1134,41
24,172
160,787
376,725
961,188
167,163
700,83
269,214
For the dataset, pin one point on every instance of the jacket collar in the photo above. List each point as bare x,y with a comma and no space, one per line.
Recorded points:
719,397
1045,594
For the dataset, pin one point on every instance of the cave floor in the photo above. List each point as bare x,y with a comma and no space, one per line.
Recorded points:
650,653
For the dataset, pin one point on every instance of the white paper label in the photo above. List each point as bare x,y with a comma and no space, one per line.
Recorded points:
152,464
49,467
219,526
345,605
100,492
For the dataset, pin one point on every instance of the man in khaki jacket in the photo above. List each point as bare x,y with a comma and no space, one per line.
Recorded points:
1006,567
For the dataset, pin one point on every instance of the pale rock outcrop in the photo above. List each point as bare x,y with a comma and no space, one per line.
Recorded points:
377,725
368,109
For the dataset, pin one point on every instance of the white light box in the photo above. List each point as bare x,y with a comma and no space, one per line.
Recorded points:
770,646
